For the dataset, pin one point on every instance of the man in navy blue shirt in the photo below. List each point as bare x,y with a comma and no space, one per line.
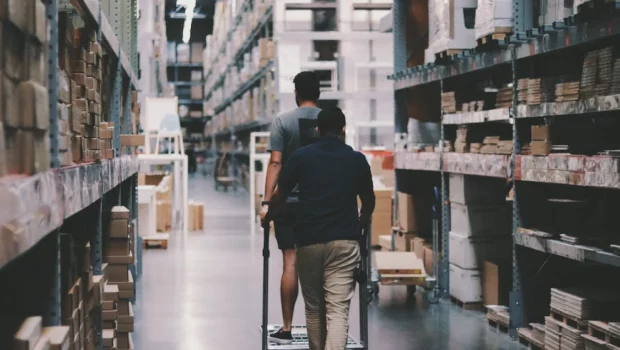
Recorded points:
330,176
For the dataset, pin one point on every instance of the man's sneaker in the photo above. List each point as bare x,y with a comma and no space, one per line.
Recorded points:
281,337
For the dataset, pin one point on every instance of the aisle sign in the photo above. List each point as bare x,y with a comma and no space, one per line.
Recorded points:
289,64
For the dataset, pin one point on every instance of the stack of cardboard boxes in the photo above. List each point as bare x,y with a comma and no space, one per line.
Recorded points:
24,137
480,230
541,140
118,311
81,303
33,336
196,216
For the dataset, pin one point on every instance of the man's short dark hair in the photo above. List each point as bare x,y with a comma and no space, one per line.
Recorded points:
307,86
331,121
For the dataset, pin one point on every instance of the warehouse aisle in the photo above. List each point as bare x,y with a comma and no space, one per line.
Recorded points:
204,292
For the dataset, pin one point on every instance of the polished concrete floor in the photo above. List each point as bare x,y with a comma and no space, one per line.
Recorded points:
204,292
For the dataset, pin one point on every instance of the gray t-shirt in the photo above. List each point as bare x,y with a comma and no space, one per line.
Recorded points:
293,130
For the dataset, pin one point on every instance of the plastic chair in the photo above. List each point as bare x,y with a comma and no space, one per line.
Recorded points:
170,128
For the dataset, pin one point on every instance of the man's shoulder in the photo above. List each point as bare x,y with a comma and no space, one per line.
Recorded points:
298,113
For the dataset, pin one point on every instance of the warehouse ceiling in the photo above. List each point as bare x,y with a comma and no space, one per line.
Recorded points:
202,24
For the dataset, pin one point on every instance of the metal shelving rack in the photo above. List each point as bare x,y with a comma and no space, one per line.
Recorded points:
575,33
43,206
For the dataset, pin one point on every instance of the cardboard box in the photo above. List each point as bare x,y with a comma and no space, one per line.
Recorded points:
469,252
429,260
466,189
196,92
35,151
418,247
124,341
540,133
119,228
28,334
10,103
132,140
110,292
17,12
402,241
117,246
123,307
385,242
496,282
540,148
110,315
465,285
481,220
117,273
106,133
196,52
37,63
128,318
34,107
58,337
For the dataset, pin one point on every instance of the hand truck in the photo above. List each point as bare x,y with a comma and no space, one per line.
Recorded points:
299,333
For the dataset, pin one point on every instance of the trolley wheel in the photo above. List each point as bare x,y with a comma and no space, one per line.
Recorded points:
432,296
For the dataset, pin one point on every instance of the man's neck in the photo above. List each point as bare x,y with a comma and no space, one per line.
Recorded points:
307,104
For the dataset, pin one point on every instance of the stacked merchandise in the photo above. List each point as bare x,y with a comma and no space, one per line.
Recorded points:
498,313
489,145
473,106
110,315
460,144
106,132
32,335
596,75
475,147
86,87
83,292
568,91
447,31
24,137
480,231
493,17
540,90
504,98
196,216
119,257
413,219
615,79
541,140
448,102
382,216
522,90
571,309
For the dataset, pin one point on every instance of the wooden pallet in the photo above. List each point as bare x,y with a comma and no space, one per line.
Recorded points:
567,320
156,241
526,338
467,306
447,55
499,34
600,330
502,327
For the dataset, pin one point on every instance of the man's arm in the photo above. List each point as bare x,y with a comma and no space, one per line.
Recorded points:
289,177
276,147
366,191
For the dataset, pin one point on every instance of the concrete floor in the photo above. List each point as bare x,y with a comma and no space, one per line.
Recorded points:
204,292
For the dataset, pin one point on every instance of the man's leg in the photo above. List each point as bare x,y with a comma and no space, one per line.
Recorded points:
310,267
342,257
289,288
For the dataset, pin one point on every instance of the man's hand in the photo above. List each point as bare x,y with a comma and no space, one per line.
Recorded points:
263,213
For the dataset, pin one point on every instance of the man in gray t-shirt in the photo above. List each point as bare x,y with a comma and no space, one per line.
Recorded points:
290,131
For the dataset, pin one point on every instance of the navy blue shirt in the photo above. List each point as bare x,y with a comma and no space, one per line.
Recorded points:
330,176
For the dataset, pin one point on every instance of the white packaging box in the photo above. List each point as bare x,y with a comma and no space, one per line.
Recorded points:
467,189
465,285
471,252
481,220
447,26
492,14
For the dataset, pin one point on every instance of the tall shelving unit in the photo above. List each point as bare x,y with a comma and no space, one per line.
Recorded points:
586,124
39,210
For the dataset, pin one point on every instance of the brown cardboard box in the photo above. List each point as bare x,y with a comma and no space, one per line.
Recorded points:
106,133
540,148
28,334
110,315
35,151
119,212
117,273
428,260
119,228
110,292
496,282
15,53
540,133
10,102
128,318
406,213
17,12
117,246
196,92
196,52
402,241
34,108
132,140
37,62
58,337
124,341
418,247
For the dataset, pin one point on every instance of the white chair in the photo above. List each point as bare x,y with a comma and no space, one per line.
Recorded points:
170,128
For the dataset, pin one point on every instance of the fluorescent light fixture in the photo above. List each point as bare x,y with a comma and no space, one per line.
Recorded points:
189,5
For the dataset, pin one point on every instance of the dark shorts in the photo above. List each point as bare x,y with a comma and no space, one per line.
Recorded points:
284,225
